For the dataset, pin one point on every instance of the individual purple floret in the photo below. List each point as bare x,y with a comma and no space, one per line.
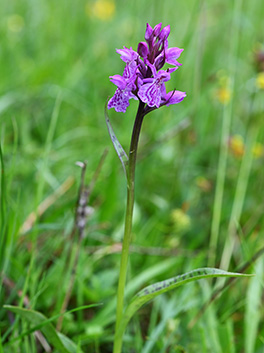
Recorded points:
153,89
143,78
120,100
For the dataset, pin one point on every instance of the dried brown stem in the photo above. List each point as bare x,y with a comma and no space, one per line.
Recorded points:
82,211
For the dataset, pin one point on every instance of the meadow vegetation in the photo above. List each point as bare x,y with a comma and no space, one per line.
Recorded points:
199,179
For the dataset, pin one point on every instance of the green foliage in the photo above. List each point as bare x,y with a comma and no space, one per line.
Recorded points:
3,210
55,61
152,291
39,321
253,305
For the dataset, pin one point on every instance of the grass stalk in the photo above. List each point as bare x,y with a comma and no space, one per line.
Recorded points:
50,135
2,210
239,199
1,347
227,118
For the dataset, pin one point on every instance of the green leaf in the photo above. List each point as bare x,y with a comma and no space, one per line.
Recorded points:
69,344
37,318
40,322
152,291
119,149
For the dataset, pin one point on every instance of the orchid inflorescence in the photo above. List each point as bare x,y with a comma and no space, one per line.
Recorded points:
143,78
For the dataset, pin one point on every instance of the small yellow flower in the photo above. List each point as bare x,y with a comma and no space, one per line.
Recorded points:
15,23
102,9
223,95
181,221
258,150
260,80
237,146
203,183
223,92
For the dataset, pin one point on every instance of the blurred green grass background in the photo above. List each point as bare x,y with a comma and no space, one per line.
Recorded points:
55,63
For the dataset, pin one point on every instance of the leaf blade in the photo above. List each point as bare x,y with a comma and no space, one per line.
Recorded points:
118,147
59,341
150,292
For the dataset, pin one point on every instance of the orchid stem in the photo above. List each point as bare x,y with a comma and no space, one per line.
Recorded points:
131,166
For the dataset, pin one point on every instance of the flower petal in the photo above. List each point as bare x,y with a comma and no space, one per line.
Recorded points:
160,60
148,32
119,81
119,101
172,54
150,93
156,30
174,97
143,49
164,33
129,73
127,55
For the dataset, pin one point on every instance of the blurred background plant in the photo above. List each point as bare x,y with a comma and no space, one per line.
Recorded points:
55,62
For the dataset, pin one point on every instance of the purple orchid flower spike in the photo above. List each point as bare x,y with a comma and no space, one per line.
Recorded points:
143,77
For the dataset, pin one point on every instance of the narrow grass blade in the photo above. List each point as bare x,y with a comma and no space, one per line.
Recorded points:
40,322
1,347
8,100
152,291
119,149
227,337
253,308
2,210
239,199
226,124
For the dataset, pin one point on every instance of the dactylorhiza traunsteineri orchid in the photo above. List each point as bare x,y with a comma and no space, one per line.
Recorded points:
143,78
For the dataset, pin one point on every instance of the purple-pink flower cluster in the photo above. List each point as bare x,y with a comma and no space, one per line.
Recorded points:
143,78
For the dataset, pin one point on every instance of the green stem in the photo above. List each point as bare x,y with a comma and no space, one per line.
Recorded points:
128,223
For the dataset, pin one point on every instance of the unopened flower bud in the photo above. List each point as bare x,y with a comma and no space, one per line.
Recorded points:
142,49
156,30
148,33
164,33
